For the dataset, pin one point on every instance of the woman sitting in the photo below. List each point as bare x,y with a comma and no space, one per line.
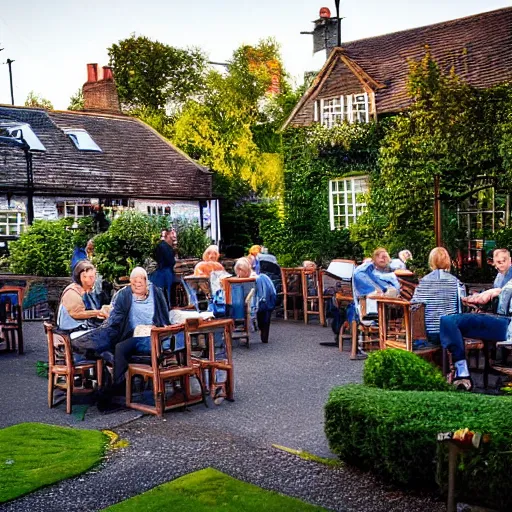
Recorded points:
81,315
136,308
210,262
264,297
440,291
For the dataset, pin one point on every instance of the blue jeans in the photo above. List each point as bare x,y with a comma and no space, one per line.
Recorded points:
454,328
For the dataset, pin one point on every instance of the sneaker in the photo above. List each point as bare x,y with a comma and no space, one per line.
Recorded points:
463,383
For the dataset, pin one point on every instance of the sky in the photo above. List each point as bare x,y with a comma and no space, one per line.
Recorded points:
51,42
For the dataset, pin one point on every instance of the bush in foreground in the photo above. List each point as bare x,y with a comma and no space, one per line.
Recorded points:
396,369
394,433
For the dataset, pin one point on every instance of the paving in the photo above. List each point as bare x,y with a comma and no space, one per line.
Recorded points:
281,389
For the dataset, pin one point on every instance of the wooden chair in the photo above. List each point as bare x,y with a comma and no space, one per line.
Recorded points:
62,370
172,366
311,285
210,343
401,323
11,320
198,291
292,289
238,293
364,332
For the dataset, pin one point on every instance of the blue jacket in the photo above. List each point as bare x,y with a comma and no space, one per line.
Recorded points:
367,279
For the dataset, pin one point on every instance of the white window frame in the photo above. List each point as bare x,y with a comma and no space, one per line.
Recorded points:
6,223
351,108
75,205
345,203
82,140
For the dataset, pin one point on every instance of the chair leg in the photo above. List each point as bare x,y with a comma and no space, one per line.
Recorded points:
128,388
230,385
99,373
69,392
51,389
353,328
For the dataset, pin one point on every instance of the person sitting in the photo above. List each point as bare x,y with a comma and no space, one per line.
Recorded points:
264,298
503,263
440,291
210,262
491,327
400,262
136,308
81,315
253,258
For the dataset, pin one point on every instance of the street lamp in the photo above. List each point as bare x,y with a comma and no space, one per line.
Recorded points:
22,144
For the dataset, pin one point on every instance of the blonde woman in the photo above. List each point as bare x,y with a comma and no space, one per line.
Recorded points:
210,262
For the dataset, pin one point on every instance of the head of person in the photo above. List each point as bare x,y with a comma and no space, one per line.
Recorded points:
381,258
243,267
211,253
255,250
170,236
309,266
405,255
84,274
439,259
89,247
139,281
501,260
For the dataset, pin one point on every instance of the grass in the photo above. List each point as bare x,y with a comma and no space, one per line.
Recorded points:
33,455
210,490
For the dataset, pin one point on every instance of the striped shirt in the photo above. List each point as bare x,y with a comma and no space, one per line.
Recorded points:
441,293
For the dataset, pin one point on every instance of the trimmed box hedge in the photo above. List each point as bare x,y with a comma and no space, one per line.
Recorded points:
396,369
393,433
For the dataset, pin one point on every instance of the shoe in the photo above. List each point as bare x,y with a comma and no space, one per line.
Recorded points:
217,397
463,383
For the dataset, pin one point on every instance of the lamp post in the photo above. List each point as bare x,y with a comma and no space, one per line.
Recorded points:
22,144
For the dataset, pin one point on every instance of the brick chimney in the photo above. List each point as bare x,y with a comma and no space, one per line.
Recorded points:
100,93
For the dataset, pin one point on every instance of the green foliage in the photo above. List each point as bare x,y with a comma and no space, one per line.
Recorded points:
44,249
76,102
37,101
209,490
150,74
503,238
130,239
192,240
35,455
394,434
399,370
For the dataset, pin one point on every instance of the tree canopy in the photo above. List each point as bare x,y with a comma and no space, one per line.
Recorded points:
76,102
152,75
37,101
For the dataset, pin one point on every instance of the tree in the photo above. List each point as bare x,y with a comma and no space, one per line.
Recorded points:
37,101
76,102
152,75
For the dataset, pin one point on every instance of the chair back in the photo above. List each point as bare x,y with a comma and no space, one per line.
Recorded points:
169,347
198,291
237,290
11,319
59,347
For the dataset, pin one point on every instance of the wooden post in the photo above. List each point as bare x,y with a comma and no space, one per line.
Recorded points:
437,213
451,505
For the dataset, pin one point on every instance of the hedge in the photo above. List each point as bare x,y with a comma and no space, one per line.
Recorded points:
393,433
399,370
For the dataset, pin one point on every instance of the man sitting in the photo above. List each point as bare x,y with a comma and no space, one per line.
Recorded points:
454,328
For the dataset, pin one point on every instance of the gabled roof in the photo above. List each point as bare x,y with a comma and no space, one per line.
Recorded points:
135,160
479,48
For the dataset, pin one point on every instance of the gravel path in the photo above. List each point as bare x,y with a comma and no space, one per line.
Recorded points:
280,392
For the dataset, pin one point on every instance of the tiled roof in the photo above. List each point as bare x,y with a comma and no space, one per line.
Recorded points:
135,160
478,47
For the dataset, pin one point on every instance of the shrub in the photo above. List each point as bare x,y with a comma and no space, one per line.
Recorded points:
44,249
394,434
397,369
130,239
192,240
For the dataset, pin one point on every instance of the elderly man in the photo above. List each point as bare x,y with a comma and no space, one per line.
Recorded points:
454,328
136,308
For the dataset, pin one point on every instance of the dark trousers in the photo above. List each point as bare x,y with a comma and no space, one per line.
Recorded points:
123,353
454,328
263,318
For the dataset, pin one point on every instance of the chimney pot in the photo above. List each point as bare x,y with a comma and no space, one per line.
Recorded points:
107,73
92,72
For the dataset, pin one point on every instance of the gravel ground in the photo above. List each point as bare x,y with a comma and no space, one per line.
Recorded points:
280,392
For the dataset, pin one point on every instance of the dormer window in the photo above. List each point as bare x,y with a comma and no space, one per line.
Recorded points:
21,131
351,108
82,140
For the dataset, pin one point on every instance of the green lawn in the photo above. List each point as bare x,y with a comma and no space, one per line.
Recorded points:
210,490
33,455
